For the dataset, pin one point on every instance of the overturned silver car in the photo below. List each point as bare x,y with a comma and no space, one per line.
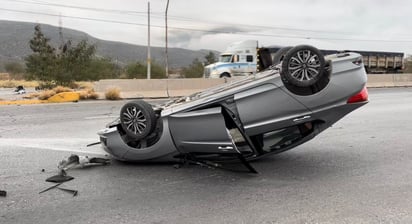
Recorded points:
299,94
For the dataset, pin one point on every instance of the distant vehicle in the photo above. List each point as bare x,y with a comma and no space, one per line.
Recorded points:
378,62
239,59
288,103
245,57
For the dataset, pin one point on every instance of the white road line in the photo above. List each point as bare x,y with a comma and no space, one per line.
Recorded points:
77,145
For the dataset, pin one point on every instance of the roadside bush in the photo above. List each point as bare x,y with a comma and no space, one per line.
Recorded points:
46,94
61,89
5,76
112,94
88,94
46,85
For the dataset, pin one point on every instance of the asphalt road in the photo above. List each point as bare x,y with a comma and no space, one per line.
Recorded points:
358,171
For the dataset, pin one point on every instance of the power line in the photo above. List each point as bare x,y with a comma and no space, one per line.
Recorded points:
180,18
209,31
176,18
78,7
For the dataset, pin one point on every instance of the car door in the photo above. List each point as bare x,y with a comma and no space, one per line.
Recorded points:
201,131
267,107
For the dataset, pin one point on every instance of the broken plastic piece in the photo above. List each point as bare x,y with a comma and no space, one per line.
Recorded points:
92,144
3,193
47,189
73,192
75,161
59,178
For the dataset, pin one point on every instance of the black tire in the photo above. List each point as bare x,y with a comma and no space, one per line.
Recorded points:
280,54
225,75
302,66
137,119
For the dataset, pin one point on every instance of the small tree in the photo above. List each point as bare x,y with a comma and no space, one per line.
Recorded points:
73,63
41,64
195,70
60,67
138,70
101,68
210,58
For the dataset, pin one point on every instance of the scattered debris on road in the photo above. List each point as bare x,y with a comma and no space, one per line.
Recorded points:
20,90
76,161
72,162
47,189
73,192
60,178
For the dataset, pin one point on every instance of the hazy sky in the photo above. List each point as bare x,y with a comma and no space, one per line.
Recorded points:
378,25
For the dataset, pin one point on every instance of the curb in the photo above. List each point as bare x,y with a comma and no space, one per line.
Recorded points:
63,97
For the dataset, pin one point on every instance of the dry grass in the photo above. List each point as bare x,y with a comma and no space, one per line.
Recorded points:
46,94
15,83
61,89
113,94
31,95
88,94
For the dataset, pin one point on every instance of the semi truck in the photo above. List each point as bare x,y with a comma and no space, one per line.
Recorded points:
238,59
246,57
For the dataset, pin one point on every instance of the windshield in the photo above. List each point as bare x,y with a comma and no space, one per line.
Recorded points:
225,58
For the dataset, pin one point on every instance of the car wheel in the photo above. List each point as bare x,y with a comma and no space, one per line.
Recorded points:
225,75
302,66
280,54
137,119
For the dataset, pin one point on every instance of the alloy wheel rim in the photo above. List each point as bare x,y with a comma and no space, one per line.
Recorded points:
134,120
304,65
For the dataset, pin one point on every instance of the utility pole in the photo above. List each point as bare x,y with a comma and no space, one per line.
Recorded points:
166,58
61,33
149,60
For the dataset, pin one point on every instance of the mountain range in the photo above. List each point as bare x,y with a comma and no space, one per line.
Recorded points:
15,36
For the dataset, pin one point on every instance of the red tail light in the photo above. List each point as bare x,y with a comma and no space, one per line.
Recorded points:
359,97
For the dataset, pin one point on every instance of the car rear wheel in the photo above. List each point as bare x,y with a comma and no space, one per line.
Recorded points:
302,66
137,119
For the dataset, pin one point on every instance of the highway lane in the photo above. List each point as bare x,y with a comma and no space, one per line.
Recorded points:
358,171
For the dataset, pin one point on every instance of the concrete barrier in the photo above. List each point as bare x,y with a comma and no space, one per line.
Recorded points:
402,80
134,88
155,88
380,80
158,88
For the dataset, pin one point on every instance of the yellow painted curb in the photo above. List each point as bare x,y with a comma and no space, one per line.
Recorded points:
58,98
20,102
64,97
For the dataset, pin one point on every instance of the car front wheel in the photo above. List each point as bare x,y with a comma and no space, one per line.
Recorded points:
137,119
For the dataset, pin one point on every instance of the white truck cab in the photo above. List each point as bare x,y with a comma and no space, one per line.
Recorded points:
239,59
